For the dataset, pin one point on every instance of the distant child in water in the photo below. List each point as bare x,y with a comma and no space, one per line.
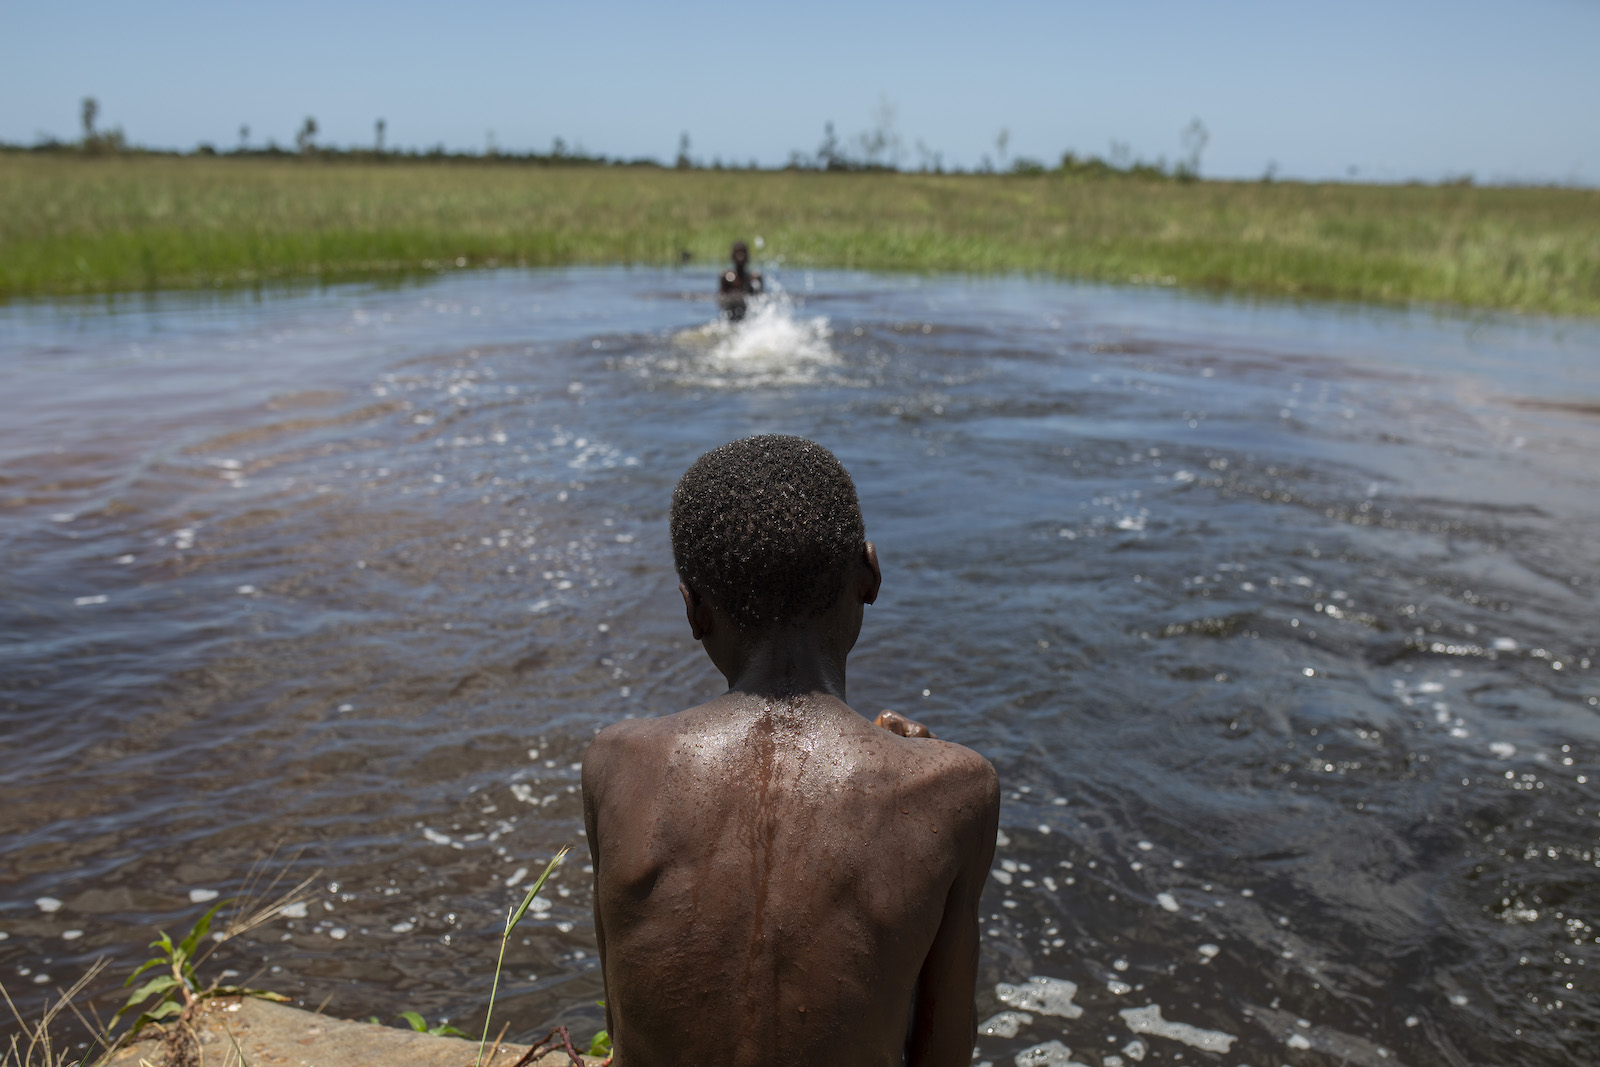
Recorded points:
738,284
778,881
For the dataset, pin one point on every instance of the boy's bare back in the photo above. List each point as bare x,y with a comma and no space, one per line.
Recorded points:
778,875
779,881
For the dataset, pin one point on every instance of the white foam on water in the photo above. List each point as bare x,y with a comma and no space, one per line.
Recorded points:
1148,1020
200,896
1503,749
772,345
71,935
403,927
1049,1054
519,875
1005,1024
296,910
1167,901
48,905
85,601
1047,996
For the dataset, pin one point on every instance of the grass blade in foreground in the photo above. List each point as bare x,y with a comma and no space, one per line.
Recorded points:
512,919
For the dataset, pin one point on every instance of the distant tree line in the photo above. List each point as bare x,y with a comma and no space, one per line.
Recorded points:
877,149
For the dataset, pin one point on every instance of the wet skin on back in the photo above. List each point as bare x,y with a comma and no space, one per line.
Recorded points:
779,880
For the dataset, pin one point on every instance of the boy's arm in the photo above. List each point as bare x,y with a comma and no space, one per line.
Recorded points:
943,1026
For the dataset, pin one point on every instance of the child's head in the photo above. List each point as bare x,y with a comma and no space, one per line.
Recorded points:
766,529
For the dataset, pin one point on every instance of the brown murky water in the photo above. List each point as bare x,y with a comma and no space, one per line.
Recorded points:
1278,624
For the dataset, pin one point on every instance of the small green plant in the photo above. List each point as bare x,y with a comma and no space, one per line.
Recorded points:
600,1044
171,997
177,986
513,917
176,989
420,1025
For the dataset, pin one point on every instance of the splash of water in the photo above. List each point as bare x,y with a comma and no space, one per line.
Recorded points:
773,345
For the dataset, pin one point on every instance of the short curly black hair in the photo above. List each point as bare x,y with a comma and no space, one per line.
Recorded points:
765,528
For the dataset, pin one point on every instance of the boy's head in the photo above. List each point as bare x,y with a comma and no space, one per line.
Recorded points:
765,529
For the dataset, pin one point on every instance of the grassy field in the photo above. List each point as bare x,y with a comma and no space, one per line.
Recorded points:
73,225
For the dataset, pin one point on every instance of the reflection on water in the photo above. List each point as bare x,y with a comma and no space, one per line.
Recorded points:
1278,624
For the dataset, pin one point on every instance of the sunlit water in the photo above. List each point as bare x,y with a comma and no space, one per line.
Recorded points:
1278,624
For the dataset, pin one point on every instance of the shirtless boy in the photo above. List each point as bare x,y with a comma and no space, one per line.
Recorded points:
778,881
737,285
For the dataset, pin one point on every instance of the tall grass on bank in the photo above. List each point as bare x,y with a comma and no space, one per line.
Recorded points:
71,225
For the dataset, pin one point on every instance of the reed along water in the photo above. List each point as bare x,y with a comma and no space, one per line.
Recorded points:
1278,623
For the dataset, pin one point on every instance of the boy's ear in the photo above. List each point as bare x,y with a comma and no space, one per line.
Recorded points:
697,611
869,587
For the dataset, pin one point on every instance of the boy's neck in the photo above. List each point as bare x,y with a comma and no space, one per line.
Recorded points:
788,664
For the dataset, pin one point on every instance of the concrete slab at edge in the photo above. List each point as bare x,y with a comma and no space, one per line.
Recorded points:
275,1035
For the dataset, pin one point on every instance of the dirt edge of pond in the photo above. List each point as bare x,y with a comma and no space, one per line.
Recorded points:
274,1034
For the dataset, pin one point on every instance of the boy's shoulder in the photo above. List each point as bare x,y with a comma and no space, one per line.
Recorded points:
632,740
942,773
618,740
958,775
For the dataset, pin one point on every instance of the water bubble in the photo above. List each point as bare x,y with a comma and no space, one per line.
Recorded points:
1005,1024
1148,1020
1049,1054
1047,996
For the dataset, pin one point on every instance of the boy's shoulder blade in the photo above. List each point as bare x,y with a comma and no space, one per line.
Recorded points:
953,772
615,740
632,738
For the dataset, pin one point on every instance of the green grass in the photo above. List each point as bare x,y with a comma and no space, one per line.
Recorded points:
74,225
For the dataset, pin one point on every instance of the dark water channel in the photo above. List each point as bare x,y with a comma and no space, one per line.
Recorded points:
1279,625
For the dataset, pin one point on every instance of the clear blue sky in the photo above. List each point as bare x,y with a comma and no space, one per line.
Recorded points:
1399,89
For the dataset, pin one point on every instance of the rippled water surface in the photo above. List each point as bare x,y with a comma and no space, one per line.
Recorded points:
1278,624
